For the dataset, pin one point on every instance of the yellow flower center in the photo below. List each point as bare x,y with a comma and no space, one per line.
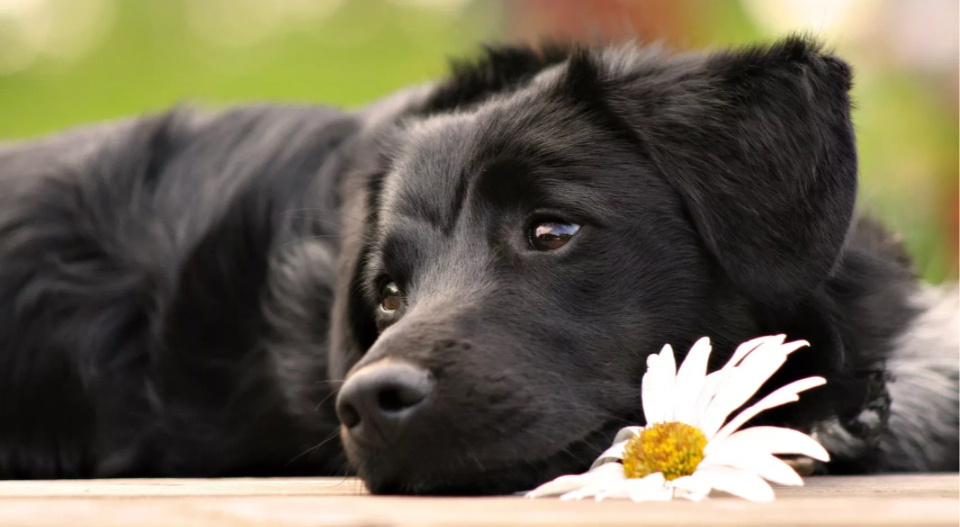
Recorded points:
675,449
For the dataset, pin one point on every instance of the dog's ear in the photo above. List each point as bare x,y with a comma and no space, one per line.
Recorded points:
759,144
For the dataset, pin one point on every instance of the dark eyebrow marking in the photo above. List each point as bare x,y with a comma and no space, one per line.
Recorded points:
554,183
506,181
399,252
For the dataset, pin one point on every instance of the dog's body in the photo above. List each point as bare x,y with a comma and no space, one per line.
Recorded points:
182,295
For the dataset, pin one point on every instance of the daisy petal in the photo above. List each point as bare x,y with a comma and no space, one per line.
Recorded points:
561,485
626,433
615,452
607,474
669,364
590,490
746,485
764,465
649,488
710,384
786,394
690,379
619,491
772,440
738,386
743,381
610,455
652,399
658,386
690,495
713,381
750,346
690,487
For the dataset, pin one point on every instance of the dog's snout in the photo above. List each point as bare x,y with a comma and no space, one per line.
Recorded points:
376,401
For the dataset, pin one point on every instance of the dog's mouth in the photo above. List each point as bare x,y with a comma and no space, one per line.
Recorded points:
473,476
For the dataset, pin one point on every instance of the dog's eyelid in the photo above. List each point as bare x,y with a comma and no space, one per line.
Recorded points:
553,215
561,214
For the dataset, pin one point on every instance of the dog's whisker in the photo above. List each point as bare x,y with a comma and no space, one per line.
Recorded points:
331,437
325,399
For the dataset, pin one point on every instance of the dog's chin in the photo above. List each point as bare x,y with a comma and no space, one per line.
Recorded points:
474,476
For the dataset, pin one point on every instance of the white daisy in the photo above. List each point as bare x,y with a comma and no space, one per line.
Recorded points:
688,446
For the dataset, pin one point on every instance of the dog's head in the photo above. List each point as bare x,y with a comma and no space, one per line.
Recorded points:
542,223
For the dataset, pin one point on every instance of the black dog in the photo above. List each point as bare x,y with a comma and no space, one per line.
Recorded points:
486,261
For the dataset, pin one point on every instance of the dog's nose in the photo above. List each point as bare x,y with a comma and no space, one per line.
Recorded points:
377,401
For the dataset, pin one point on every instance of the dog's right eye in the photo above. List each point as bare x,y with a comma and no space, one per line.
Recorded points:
551,235
390,299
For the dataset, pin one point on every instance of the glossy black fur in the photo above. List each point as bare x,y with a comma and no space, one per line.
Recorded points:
181,295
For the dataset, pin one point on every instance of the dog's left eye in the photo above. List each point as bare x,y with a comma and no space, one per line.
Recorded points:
390,299
551,235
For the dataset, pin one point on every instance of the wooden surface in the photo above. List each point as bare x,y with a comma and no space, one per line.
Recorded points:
883,500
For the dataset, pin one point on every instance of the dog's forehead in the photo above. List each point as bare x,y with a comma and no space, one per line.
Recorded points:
431,168
441,155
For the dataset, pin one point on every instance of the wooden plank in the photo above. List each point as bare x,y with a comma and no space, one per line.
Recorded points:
183,487
880,500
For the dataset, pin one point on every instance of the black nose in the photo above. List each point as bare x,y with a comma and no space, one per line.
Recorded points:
376,402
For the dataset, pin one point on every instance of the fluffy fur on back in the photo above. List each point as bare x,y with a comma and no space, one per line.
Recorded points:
183,294
923,385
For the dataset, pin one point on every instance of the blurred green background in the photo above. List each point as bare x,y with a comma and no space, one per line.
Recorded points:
67,62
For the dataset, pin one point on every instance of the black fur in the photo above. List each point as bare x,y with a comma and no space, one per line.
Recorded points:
182,295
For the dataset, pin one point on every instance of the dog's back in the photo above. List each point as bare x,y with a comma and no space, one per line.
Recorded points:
909,418
923,385
132,255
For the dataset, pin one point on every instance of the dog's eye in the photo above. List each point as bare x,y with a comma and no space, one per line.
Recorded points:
390,299
552,235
